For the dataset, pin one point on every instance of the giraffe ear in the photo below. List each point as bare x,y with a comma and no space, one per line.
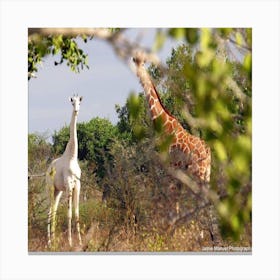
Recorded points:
70,99
81,98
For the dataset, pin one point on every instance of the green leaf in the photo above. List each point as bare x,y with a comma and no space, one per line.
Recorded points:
134,105
247,63
86,60
72,45
223,209
205,38
84,37
249,37
225,32
205,57
220,150
191,35
239,39
139,131
159,41
165,142
241,164
235,223
177,33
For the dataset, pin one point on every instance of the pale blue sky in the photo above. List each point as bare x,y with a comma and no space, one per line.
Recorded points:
108,82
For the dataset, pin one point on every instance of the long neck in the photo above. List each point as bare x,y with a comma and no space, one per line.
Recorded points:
72,146
156,108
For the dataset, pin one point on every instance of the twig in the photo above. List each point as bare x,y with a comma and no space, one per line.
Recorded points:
237,91
36,175
239,45
183,218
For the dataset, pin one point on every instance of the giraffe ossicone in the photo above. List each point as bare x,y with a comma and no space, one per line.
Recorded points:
63,175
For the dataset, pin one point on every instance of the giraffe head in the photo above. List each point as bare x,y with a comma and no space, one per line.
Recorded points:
76,101
139,58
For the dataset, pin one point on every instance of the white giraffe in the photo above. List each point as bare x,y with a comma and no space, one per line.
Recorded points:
64,174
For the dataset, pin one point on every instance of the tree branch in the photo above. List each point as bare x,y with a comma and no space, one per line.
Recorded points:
103,33
123,48
239,46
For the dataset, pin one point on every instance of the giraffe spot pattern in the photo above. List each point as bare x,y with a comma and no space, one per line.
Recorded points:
194,151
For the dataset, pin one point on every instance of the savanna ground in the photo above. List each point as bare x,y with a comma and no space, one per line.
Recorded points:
143,210
109,228
130,201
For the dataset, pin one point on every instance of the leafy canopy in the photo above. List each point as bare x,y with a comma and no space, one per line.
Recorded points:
66,49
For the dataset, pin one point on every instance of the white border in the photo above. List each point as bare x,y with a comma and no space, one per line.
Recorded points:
17,16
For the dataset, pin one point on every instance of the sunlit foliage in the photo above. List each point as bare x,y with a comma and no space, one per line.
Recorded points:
210,93
65,48
207,86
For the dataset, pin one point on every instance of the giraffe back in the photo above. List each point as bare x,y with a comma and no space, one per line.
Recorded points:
195,154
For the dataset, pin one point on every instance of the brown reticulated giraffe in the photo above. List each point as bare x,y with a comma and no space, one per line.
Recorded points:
197,155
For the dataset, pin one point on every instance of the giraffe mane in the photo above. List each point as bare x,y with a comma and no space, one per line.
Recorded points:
159,99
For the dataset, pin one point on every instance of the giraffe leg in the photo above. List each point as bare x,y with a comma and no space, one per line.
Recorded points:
52,216
49,226
76,209
70,216
50,213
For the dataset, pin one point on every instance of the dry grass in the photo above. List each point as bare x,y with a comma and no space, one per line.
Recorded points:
108,231
141,212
